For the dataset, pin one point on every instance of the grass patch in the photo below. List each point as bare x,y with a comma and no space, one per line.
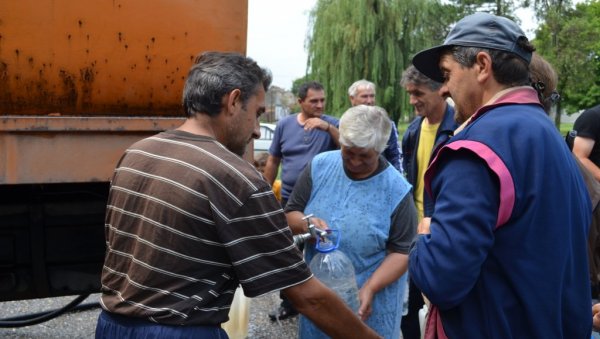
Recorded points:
565,128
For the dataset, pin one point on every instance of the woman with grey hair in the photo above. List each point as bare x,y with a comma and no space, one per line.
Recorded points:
365,127
355,190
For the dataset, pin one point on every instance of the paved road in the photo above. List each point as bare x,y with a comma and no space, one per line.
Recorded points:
82,324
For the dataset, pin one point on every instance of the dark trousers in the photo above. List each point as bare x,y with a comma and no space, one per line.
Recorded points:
114,326
410,322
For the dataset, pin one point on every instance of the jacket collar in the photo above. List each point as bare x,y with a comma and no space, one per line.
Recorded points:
513,95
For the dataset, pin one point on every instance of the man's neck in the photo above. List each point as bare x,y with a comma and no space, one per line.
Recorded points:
302,117
200,124
438,115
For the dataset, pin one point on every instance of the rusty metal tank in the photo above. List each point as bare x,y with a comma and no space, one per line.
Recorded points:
80,81
75,74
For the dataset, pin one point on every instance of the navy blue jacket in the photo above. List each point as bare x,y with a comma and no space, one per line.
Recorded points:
410,141
507,252
392,151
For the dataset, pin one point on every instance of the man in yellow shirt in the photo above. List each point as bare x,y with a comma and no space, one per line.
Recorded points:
433,126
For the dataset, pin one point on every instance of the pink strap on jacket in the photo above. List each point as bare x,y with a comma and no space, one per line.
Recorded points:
494,163
433,327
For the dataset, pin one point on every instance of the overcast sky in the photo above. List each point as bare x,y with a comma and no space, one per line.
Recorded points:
276,36
277,32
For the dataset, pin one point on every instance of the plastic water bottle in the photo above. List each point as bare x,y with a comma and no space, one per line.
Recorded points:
334,269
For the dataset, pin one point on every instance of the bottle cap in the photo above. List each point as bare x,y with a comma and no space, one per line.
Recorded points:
329,242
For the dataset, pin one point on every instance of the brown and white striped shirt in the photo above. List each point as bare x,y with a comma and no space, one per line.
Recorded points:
186,221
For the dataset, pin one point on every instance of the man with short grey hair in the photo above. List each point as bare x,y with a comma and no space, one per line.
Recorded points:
432,127
362,92
499,258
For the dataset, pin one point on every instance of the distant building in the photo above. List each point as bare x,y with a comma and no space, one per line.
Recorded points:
279,103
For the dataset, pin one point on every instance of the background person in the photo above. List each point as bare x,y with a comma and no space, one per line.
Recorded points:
499,255
188,220
260,161
544,80
362,92
586,145
301,136
356,191
432,127
297,139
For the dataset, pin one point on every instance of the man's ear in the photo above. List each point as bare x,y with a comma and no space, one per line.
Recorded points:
483,64
234,100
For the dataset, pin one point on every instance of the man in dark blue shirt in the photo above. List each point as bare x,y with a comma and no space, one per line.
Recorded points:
297,139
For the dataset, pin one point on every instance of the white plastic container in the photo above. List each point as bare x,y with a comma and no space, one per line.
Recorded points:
237,326
423,318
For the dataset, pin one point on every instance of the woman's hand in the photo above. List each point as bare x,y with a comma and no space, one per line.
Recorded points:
391,269
297,222
424,225
596,317
319,223
365,297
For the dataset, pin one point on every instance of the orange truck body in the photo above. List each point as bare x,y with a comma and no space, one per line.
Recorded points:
74,74
80,81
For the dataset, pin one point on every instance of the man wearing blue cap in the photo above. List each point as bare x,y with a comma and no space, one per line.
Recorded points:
504,254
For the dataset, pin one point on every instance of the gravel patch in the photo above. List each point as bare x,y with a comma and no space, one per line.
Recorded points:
71,325
82,324
261,327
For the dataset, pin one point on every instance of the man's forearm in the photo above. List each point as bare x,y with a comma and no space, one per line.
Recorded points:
335,134
295,222
590,166
270,171
327,311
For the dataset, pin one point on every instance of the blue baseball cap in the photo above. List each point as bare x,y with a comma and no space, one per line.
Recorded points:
476,30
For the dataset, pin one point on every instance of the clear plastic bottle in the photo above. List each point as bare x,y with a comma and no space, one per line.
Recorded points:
334,269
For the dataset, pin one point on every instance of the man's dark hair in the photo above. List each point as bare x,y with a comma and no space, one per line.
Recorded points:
509,68
413,76
215,74
303,90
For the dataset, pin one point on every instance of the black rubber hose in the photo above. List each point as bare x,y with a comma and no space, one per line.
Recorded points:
37,318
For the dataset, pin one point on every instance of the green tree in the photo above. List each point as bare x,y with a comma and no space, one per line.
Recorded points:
373,40
569,39
498,7
297,83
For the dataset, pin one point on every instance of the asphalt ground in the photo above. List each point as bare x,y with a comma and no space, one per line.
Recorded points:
82,324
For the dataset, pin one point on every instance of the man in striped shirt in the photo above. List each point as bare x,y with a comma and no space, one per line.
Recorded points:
188,219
